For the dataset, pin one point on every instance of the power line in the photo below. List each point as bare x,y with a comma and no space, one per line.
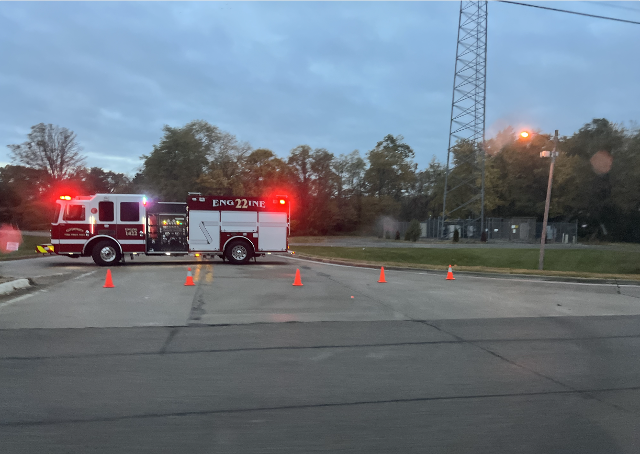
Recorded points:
611,5
571,12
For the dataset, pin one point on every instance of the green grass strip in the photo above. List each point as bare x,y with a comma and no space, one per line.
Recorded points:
27,247
580,261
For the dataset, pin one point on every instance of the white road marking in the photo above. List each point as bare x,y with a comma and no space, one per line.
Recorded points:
20,298
84,275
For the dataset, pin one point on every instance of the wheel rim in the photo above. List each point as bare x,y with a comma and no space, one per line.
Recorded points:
239,252
108,253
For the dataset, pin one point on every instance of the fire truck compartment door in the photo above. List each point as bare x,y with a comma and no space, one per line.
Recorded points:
239,221
204,230
273,232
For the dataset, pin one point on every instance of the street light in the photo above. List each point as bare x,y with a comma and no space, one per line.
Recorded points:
545,154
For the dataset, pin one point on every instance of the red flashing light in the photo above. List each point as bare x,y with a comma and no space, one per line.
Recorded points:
282,202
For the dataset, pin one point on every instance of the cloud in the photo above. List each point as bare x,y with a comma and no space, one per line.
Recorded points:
338,75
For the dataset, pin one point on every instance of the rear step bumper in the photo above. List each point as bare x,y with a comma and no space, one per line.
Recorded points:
45,249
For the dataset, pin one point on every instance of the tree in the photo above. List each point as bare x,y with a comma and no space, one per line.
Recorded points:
175,165
26,197
263,173
391,170
98,181
516,179
603,198
323,209
424,198
349,177
49,148
464,180
226,157
300,164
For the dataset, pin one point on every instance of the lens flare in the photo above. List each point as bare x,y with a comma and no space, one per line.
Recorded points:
10,239
601,162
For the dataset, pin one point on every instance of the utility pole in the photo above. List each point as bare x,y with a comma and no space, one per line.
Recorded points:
546,205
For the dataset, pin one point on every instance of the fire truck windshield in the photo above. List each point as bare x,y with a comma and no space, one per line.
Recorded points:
56,216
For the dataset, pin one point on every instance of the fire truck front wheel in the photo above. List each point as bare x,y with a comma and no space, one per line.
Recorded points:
106,253
238,252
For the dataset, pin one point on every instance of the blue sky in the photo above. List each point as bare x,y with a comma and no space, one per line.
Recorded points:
337,75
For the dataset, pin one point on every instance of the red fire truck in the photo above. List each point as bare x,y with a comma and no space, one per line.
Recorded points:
109,226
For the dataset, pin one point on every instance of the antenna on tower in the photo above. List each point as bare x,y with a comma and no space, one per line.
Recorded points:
464,177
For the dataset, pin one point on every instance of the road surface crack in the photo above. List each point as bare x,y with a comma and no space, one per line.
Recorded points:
307,406
585,394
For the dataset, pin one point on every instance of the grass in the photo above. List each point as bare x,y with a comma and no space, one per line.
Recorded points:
585,263
27,247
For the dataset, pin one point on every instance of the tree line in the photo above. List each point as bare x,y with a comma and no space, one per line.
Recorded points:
596,181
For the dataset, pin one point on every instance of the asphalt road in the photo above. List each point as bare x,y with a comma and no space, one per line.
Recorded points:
418,364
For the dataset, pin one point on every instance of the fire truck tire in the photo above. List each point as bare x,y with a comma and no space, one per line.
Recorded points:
106,253
239,252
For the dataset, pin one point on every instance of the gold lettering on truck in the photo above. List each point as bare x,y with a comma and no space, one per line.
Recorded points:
131,232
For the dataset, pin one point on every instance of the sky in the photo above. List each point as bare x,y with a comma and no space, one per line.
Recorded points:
334,75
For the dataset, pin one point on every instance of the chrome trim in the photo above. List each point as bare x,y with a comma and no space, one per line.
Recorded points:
239,236
101,236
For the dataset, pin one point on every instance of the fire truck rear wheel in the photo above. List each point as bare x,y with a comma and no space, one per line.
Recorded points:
239,252
106,253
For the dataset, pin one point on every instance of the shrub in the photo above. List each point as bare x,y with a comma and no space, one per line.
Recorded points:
483,237
397,234
456,236
413,232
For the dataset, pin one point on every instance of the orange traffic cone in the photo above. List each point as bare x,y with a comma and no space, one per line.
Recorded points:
108,282
450,275
189,280
382,280
297,281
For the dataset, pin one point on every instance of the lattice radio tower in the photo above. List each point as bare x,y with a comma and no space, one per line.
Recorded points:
464,177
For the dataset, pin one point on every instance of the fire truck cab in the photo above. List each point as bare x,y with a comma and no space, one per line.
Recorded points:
109,226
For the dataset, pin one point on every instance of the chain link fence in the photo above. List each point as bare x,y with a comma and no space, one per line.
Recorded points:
522,230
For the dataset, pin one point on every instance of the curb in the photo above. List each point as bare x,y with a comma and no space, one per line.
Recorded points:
12,286
532,277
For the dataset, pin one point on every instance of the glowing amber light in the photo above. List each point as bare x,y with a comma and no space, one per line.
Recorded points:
524,134
282,202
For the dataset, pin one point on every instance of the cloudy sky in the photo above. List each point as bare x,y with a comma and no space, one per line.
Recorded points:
337,75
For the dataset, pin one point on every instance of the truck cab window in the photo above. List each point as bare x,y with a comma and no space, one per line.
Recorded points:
105,212
74,213
56,216
129,211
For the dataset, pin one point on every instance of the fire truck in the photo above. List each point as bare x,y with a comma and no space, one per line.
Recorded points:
107,227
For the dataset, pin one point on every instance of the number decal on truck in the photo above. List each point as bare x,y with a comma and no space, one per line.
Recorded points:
242,204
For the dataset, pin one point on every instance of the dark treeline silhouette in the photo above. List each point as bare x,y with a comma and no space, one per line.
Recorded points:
596,181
